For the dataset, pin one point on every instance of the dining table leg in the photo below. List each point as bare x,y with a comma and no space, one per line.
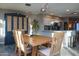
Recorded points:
34,51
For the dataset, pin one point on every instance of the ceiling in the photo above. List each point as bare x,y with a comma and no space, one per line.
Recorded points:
58,9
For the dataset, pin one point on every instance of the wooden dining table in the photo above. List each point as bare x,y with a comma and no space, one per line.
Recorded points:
36,40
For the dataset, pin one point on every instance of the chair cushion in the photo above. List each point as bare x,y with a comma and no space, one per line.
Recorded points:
45,51
29,50
41,47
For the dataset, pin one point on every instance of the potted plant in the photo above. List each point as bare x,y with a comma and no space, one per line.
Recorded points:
35,26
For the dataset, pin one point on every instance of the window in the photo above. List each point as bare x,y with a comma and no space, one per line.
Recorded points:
2,29
77,26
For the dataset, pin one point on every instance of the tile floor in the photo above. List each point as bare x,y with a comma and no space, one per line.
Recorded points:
10,51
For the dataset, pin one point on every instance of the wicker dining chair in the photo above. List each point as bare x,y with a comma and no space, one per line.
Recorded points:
55,48
21,47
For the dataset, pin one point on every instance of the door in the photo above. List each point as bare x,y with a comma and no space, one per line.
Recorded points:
14,21
9,27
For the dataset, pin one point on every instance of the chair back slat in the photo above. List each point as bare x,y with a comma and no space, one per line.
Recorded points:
21,40
15,34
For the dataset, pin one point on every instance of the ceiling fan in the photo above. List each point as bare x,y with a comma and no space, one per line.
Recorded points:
45,11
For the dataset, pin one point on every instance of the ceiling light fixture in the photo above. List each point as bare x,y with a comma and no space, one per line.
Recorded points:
75,13
67,10
43,9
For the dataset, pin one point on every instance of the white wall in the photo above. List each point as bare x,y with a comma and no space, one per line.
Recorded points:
49,21
40,21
